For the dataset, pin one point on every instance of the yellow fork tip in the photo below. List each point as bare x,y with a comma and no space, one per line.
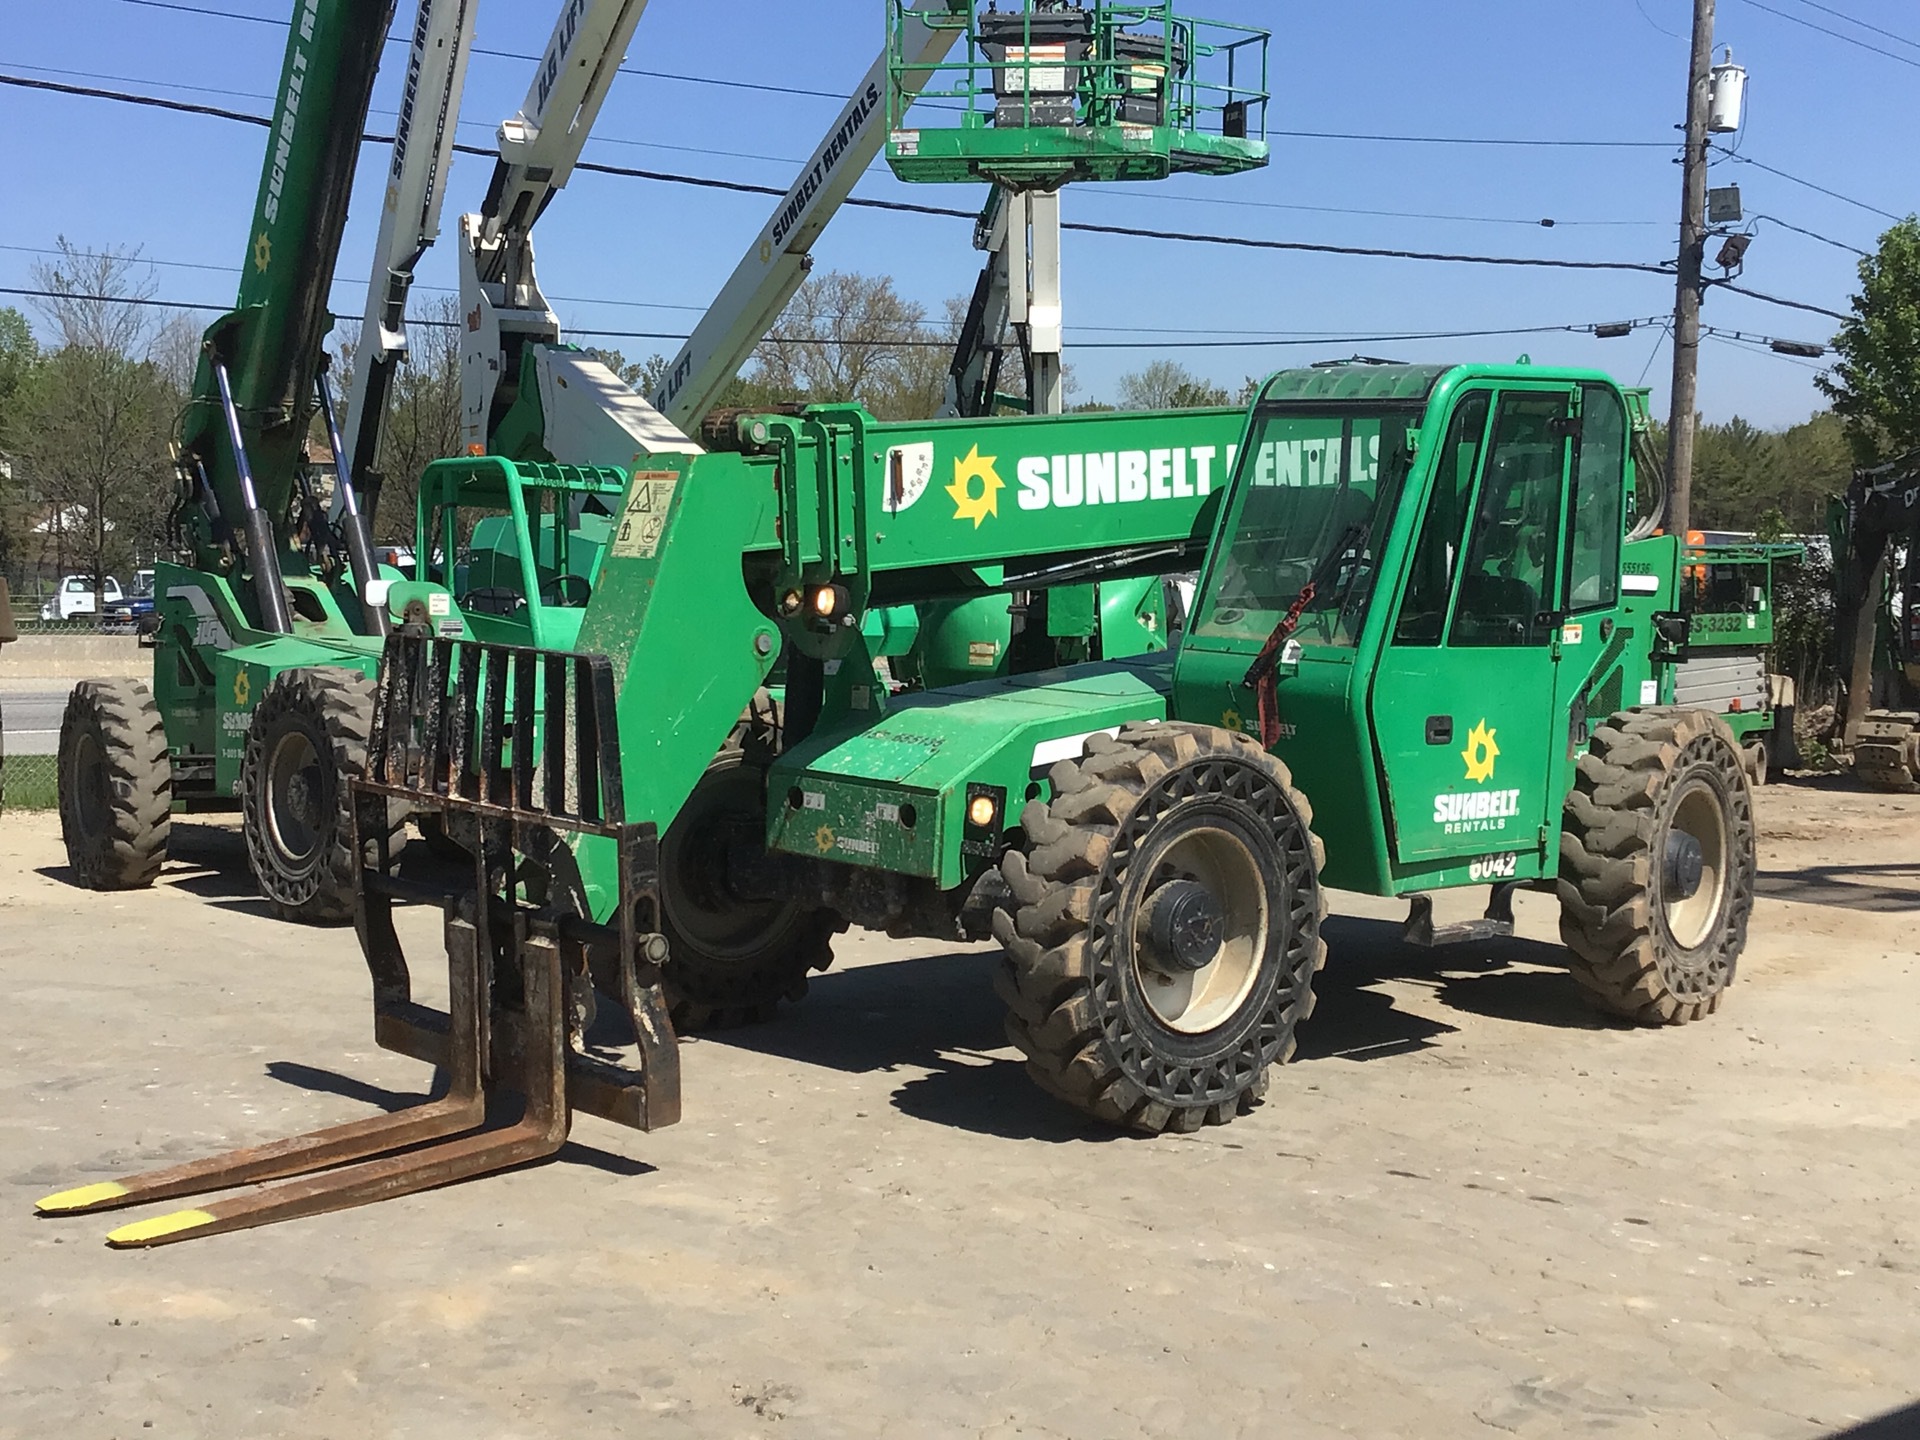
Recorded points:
84,1198
160,1227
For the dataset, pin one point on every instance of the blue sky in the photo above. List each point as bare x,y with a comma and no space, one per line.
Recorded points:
1835,113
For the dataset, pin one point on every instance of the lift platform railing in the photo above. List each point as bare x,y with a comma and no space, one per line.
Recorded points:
1042,94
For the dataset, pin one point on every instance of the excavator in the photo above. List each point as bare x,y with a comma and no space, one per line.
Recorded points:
1876,581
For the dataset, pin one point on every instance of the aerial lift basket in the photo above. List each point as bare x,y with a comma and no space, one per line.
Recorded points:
514,752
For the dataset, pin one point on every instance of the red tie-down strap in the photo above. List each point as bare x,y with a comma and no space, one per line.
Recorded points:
1260,674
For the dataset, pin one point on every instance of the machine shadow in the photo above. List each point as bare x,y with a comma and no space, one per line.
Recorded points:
331,1082
938,1014
1901,1424
1846,887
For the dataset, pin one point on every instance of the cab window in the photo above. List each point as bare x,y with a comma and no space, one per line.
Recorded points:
1599,501
1423,612
1508,584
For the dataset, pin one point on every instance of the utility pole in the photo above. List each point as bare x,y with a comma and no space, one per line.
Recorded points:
1686,302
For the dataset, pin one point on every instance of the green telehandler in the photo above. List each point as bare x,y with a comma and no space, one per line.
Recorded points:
1433,647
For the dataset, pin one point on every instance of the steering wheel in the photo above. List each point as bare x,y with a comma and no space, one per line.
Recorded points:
566,590
493,600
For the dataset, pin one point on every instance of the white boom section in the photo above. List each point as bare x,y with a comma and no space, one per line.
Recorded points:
777,261
591,418
410,220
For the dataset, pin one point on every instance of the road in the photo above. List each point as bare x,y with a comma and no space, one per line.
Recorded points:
1471,1208
31,710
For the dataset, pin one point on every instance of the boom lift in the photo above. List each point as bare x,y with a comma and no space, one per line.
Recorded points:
266,581
262,695
1877,520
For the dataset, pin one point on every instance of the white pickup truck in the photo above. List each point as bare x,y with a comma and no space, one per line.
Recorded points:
75,597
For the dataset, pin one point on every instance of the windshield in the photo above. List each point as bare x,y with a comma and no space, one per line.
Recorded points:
1313,497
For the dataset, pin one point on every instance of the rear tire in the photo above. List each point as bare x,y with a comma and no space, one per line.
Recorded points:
308,736
733,955
115,785
1161,949
1658,786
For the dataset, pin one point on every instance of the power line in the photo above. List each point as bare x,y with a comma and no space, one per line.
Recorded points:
1155,193
1524,142
1545,223
1811,234
506,54
923,340
1831,194
900,206
1776,300
1842,15
1836,34
1530,141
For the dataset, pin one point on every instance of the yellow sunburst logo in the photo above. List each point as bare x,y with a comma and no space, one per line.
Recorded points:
262,253
823,839
967,505
242,689
1480,753
1231,720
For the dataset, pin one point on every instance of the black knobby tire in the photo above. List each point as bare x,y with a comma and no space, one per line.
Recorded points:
115,784
1101,1022
733,957
308,736
1641,948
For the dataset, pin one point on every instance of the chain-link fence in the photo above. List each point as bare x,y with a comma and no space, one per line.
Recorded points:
29,782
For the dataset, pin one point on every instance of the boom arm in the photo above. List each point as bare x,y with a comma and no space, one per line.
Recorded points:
409,222
509,344
245,427
780,255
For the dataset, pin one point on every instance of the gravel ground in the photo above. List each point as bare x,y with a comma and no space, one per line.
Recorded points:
1471,1207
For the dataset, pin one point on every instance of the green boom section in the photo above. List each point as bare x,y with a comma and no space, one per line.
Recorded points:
715,559
270,342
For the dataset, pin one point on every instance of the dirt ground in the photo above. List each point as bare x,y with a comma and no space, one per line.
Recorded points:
1469,1208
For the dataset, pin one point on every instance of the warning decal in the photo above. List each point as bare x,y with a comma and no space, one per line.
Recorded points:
648,500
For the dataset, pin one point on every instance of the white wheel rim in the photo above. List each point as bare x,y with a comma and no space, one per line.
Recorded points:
1195,1001
1698,814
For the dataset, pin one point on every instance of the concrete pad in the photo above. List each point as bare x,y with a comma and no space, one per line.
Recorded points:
1470,1207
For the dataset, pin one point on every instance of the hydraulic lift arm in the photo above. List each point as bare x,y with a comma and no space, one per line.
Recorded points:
409,225
510,348
781,254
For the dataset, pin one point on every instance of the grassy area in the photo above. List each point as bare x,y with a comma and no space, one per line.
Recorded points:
30,782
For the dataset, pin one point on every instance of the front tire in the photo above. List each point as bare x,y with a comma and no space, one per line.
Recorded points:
1161,951
1657,865
115,784
307,738
736,948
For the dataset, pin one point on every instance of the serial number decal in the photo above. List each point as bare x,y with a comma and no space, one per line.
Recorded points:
1494,867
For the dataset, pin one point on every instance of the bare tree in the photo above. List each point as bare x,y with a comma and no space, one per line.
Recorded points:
852,337
1169,385
423,418
98,413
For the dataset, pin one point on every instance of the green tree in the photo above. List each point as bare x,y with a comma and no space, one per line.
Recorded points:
19,357
1875,385
96,415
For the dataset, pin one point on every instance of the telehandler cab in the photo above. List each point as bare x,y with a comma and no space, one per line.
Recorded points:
1433,647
